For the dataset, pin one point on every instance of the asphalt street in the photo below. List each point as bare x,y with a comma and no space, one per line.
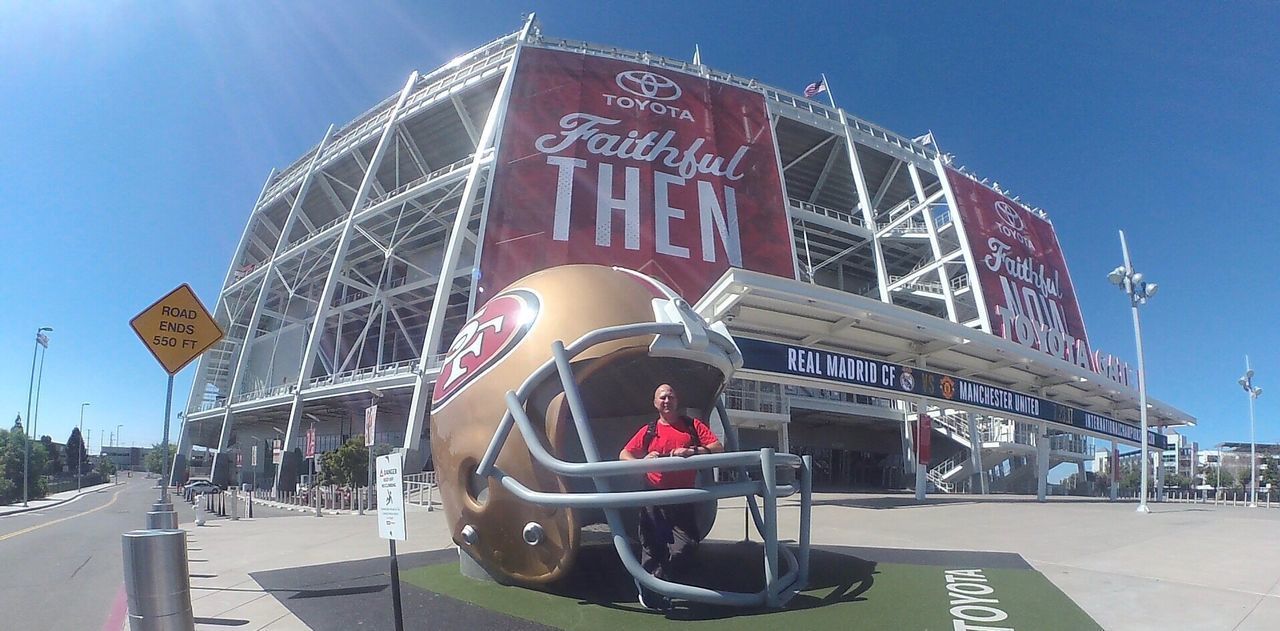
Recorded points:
63,564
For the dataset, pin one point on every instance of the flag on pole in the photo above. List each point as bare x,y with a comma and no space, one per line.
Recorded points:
815,88
42,340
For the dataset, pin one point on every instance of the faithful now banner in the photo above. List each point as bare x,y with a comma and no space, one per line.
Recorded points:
1022,271
615,163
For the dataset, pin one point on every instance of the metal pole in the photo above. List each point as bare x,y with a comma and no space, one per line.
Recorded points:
1142,373
80,459
164,443
1253,453
26,427
395,587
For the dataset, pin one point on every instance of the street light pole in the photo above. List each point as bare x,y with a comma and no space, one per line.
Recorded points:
26,428
1253,392
1139,292
83,449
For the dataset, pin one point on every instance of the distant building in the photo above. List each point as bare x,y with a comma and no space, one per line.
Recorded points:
127,458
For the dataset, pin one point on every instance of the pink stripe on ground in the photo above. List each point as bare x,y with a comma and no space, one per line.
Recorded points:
119,611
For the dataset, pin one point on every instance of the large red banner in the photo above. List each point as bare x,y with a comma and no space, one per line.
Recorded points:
1022,272
616,163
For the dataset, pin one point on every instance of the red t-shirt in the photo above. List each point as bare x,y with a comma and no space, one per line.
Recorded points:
666,440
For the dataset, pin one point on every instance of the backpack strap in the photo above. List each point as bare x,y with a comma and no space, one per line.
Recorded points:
693,431
650,434
652,431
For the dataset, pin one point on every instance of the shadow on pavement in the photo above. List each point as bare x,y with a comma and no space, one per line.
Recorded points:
600,579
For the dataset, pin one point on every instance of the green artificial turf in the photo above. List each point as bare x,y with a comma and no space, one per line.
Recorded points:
847,593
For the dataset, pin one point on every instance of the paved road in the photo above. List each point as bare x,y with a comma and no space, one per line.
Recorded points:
63,564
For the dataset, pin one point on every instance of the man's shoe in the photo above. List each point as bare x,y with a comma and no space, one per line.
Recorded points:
650,599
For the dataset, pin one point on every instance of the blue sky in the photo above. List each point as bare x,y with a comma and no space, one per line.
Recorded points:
134,137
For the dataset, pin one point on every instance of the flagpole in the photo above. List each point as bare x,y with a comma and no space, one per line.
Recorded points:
827,85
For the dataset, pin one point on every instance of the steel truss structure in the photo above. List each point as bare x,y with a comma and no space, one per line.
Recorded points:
358,263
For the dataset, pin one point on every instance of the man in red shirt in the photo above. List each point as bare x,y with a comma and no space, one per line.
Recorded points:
668,534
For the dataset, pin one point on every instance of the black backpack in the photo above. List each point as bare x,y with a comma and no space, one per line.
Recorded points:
652,432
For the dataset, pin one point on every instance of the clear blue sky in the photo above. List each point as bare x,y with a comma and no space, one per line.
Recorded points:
134,138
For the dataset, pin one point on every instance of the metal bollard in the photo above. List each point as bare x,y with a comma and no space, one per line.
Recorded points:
156,580
199,515
167,520
235,501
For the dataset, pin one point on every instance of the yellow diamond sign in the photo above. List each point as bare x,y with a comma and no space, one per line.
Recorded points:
177,328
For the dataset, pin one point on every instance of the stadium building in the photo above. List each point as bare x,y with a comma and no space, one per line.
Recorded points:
884,298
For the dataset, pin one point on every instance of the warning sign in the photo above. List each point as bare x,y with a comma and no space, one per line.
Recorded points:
177,328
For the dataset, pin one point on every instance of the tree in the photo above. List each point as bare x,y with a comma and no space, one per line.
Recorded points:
155,457
54,465
77,457
1227,480
1177,481
348,465
12,447
106,467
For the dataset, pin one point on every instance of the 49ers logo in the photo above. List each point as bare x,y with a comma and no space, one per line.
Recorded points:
486,338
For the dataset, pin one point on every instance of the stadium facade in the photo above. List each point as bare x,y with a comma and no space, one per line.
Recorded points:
884,297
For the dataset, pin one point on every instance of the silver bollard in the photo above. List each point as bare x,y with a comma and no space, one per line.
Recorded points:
162,520
199,514
156,580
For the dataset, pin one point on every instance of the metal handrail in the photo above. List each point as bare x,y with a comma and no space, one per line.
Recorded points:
847,217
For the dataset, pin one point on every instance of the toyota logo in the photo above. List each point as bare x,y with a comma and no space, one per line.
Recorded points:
1010,216
648,85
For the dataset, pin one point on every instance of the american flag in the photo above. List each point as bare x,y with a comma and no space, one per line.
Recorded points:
814,88
42,340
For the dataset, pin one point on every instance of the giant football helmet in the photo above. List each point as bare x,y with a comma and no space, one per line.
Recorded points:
568,358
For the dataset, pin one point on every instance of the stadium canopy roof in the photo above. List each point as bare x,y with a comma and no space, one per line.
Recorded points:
796,312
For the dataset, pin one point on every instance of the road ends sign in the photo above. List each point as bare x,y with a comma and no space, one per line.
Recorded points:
176,329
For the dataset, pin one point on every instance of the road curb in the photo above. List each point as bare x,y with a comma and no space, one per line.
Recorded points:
60,502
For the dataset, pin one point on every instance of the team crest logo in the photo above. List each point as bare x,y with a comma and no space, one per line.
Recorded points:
484,340
908,380
948,387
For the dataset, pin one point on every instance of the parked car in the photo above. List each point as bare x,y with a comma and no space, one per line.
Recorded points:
200,487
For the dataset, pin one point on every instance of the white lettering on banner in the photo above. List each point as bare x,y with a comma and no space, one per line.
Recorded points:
998,398
971,601
1023,268
652,147
715,219
1024,330
656,107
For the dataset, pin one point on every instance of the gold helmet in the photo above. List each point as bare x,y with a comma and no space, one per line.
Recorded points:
549,374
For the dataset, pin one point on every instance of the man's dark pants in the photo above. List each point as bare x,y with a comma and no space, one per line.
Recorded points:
668,537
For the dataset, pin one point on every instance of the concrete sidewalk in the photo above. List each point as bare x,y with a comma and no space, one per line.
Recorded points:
1184,566
224,552
51,500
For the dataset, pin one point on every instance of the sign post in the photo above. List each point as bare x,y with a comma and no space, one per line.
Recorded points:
370,432
390,495
176,329
313,488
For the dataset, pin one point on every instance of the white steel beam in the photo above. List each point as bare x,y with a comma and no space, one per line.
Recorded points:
975,283
864,202
435,323
331,282
243,353
935,244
